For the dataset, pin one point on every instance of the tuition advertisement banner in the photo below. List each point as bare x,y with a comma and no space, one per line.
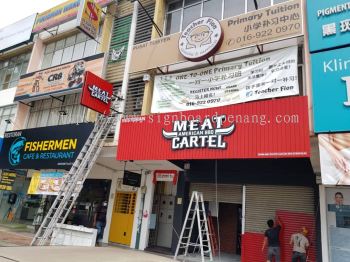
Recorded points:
274,74
267,129
54,147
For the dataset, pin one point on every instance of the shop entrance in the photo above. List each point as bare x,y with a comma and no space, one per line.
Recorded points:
161,229
230,228
123,218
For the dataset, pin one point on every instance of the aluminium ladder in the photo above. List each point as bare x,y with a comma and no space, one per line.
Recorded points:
195,212
73,180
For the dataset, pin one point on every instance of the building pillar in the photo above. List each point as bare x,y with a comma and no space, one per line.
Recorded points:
147,210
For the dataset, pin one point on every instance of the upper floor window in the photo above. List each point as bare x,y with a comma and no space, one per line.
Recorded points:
181,12
68,49
51,111
11,70
7,116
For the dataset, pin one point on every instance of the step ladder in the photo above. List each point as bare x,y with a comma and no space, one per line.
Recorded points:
212,234
74,180
195,212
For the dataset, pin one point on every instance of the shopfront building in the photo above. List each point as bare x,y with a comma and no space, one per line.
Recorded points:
329,49
48,81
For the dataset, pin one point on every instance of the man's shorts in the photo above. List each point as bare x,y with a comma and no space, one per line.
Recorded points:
273,252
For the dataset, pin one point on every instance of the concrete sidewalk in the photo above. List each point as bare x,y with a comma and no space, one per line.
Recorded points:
77,254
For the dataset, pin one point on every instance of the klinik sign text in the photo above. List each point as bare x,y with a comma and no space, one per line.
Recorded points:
331,90
196,134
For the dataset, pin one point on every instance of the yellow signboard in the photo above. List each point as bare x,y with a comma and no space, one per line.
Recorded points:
60,14
89,17
7,180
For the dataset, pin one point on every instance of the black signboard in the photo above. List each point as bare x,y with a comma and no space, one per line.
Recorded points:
54,147
7,180
131,179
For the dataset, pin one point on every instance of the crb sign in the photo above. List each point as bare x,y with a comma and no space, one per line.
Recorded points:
331,90
97,93
54,147
195,134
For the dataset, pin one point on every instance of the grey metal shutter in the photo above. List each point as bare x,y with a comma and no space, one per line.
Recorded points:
227,193
134,98
262,201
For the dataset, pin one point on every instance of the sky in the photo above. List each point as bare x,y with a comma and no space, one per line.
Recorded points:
12,11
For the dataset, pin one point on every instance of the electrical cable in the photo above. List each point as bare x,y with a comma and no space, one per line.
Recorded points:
217,208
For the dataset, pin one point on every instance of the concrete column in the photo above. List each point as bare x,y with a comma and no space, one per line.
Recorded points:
159,14
324,229
147,209
34,65
138,214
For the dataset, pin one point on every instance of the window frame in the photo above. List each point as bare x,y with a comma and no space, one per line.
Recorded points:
52,46
182,8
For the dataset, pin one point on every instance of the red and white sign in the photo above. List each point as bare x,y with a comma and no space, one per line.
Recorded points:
97,93
165,175
267,129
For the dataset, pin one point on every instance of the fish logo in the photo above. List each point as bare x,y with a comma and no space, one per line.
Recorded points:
14,152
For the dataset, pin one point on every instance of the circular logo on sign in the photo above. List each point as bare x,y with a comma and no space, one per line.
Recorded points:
14,152
201,39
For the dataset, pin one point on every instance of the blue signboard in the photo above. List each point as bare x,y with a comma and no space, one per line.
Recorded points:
328,23
331,90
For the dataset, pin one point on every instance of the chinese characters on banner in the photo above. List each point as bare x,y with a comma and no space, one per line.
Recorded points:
270,75
328,23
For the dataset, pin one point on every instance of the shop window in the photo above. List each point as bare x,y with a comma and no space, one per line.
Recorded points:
51,112
233,8
338,223
12,69
213,8
261,4
181,12
69,49
7,116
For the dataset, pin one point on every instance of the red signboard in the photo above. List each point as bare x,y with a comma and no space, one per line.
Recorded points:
165,175
96,93
267,129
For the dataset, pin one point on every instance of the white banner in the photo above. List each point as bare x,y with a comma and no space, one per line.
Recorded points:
274,74
16,33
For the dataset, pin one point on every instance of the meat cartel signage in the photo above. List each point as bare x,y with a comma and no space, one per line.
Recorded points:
97,93
193,134
274,74
266,129
201,39
54,147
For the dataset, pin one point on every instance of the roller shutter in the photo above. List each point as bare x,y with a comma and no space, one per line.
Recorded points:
262,201
227,193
